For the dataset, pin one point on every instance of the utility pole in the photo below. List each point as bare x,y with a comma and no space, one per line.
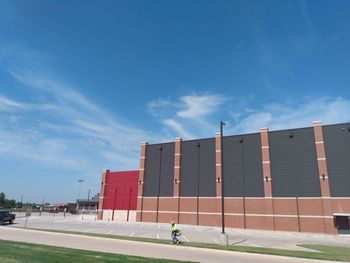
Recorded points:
223,236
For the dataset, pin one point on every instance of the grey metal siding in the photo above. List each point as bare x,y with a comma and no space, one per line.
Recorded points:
159,162
294,167
198,168
337,147
243,166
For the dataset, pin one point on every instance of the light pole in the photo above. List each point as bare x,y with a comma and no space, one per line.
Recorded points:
198,145
42,207
89,200
243,183
21,203
127,217
222,180
223,236
291,137
80,181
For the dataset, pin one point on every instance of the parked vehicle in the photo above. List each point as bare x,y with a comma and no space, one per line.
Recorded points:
6,216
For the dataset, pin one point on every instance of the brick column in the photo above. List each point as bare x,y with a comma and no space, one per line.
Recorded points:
218,181
218,164
323,175
265,152
177,174
102,193
265,157
141,181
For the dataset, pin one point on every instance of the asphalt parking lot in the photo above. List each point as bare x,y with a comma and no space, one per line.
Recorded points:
190,233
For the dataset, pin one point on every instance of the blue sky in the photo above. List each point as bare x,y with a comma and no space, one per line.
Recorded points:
83,83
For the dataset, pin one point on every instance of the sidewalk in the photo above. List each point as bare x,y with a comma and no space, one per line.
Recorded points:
190,233
140,248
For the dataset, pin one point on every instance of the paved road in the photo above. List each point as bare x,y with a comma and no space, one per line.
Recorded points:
190,233
140,248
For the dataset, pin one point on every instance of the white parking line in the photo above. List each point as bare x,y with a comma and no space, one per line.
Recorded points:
131,234
110,232
186,238
215,240
157,236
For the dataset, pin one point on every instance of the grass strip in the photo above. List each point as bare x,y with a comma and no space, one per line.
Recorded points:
13,252
326,252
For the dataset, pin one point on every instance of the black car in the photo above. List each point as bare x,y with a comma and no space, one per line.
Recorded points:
6,216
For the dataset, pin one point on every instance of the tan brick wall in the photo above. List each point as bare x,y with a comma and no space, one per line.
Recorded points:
260,222
286,224
102,194
313,225
188,204
168,204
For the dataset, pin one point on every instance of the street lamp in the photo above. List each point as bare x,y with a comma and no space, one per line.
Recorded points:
198,146
291,137
80,181
243,182
223,236
222,180
89,200
21,203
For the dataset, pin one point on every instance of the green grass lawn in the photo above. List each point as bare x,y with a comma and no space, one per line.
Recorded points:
326,252
12,252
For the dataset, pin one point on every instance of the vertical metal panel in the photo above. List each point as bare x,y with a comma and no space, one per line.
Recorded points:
190,155
188,181
167,174
153,164
337,147
293,159
117,191
306,163
252,160
283,181
242,157
207,185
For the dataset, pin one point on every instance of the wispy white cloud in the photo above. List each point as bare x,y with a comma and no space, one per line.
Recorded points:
194,106
294,114
178,128
7,104
243,115
158,105
67,129
188,116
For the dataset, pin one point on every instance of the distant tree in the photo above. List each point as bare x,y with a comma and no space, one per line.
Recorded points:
10,203
2,199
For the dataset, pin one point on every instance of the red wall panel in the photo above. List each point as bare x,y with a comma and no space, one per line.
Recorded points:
121,187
